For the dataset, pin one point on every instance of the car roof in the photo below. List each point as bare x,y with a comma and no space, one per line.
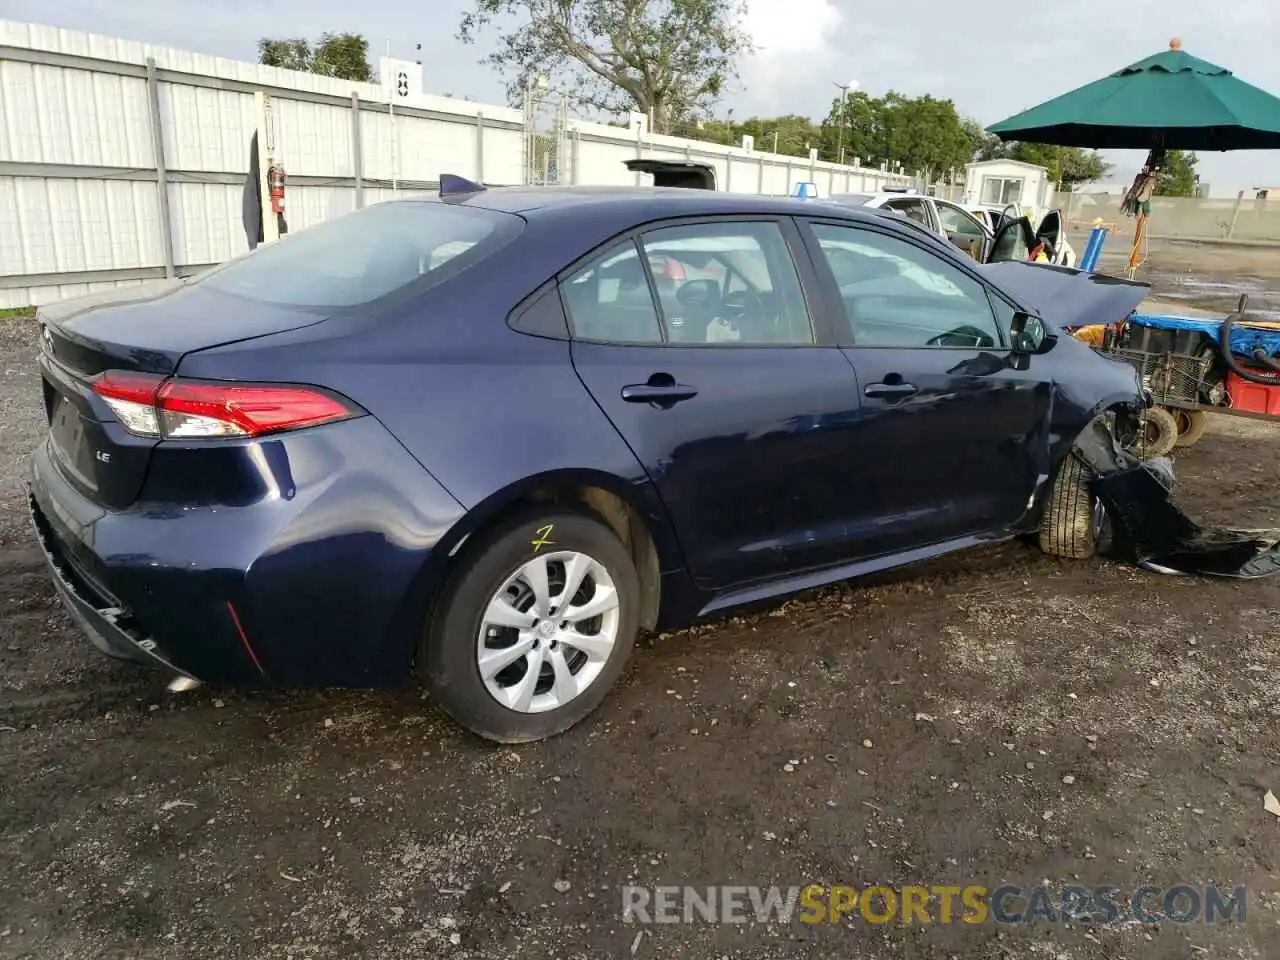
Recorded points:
651,201
624,207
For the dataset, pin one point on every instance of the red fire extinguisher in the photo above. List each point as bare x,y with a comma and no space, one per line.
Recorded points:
275,184
275,188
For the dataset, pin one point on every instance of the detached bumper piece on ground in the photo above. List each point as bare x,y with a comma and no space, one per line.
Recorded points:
1150,530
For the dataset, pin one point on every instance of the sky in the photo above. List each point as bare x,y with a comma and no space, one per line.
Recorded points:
994,58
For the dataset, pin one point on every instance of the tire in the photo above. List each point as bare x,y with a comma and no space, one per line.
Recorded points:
507,707
1157,433
1068,527
1192,425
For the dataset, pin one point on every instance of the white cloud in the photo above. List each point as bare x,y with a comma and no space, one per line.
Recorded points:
786,35
790,26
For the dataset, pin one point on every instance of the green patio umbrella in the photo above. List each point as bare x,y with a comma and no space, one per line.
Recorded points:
1170,101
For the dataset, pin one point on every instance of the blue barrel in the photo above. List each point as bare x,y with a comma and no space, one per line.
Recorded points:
1093,249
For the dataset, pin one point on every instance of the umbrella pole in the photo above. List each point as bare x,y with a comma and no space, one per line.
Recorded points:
1137,254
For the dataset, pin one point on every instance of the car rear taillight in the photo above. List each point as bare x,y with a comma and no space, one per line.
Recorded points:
152,406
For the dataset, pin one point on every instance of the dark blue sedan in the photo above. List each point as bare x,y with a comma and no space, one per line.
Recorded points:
490,436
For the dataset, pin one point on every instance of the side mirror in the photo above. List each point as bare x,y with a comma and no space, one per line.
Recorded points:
1028,335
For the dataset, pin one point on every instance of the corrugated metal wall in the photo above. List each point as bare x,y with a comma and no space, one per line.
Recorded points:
80,204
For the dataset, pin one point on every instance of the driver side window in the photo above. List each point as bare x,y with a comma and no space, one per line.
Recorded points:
896,294
729,283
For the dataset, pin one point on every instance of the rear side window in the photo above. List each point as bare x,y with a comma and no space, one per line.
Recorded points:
609,299
364,256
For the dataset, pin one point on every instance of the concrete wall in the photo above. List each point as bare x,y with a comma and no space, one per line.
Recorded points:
92,126
1181,218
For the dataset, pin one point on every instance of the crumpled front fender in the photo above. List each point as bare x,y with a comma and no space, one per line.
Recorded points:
1152,531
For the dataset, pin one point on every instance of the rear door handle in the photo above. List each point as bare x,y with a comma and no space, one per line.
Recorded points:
662,394
891,389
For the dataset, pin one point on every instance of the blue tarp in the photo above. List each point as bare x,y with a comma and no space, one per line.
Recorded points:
1244,339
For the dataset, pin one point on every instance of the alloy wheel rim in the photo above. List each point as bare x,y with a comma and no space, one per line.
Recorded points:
548,631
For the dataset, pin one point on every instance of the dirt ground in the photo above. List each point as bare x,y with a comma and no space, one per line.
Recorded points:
997,717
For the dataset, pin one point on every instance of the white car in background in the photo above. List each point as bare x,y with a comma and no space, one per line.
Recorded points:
979,231
991,216
979,235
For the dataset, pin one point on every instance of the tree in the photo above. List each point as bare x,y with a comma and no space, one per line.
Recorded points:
854,128
1178,179
986,146
791,135
1080,166
920,133
341,55
668,59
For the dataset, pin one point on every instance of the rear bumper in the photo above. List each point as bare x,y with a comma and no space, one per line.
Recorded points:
321,575
106,623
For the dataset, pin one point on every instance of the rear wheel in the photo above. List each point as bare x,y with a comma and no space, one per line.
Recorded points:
1192,425
1072,516
534,627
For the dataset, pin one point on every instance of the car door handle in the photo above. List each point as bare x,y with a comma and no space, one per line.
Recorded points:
891,389
660,393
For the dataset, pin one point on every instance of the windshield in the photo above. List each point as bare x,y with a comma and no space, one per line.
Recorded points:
362,256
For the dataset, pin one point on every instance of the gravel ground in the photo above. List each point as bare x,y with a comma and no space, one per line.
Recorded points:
997,717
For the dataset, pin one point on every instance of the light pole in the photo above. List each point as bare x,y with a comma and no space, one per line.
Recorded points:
845,90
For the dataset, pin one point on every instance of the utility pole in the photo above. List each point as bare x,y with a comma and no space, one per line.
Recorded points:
845,90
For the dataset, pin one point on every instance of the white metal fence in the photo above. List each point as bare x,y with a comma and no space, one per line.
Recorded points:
122,162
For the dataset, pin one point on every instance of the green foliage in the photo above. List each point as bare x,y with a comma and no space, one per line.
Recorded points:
1178,179
790,135
920,133
668,59
986,146
341,55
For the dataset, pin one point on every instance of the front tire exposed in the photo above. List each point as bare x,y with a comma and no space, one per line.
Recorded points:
1069,526
534,626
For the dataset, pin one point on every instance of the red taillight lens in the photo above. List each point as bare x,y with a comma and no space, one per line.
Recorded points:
191,409
188,409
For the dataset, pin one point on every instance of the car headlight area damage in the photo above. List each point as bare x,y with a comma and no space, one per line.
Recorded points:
1149,529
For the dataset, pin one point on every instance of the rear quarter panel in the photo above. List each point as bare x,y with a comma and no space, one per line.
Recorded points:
489,412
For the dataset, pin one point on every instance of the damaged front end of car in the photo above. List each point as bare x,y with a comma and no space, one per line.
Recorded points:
1148,529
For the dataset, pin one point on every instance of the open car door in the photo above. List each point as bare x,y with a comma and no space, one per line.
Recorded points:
1050,235
676,173
963,229
1014,240
998,220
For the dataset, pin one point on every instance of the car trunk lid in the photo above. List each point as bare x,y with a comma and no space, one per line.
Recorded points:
137,330
676,173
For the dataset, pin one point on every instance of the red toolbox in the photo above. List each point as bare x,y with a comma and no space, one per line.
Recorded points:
1248,397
